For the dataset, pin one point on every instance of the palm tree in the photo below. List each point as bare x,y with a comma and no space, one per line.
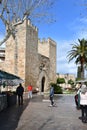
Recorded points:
79,52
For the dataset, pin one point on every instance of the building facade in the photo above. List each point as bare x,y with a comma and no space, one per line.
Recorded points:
30,58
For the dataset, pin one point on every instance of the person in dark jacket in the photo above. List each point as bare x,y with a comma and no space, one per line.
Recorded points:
19,92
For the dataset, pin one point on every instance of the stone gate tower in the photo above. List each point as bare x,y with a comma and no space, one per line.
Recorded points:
32,59
21,53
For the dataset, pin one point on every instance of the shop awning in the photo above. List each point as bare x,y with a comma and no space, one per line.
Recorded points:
9,79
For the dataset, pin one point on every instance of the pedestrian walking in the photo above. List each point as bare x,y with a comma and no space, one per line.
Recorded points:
83,103
77,97
19,92
52,95
30,91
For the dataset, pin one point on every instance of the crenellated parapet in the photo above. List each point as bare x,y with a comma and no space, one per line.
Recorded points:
29,23
43,40
51,41
44,46
46,41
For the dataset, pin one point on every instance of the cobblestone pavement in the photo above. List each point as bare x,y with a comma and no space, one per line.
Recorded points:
36,114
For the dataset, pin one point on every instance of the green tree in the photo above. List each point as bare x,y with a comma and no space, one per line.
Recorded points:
60,80
79,52
71,82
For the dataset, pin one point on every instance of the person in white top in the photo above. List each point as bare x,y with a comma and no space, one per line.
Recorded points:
83,103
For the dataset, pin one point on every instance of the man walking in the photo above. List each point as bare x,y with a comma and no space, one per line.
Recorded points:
19,92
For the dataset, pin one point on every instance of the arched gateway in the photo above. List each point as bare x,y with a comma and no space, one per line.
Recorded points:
43,82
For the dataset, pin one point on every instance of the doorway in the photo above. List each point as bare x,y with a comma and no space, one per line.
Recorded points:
42,84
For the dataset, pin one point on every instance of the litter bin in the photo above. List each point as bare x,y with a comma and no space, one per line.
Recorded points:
11,99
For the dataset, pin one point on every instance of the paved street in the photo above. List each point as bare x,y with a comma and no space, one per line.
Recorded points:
37,115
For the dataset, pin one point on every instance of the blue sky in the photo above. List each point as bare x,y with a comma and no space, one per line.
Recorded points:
71,24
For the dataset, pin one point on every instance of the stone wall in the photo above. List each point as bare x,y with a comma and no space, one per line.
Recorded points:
52,57
47,47
31,63
43,47
15,52
2,65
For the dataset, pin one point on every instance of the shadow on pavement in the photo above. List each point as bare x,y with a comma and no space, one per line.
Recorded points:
10,117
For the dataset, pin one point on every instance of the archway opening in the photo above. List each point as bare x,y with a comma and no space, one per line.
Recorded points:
42,84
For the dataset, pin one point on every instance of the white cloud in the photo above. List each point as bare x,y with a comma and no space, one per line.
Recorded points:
83,20
62,61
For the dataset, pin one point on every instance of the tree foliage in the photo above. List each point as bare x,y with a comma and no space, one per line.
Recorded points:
71,82
79,53
14,12
60,80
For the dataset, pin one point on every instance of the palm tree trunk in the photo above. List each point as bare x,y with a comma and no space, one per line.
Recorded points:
82,71
82,75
